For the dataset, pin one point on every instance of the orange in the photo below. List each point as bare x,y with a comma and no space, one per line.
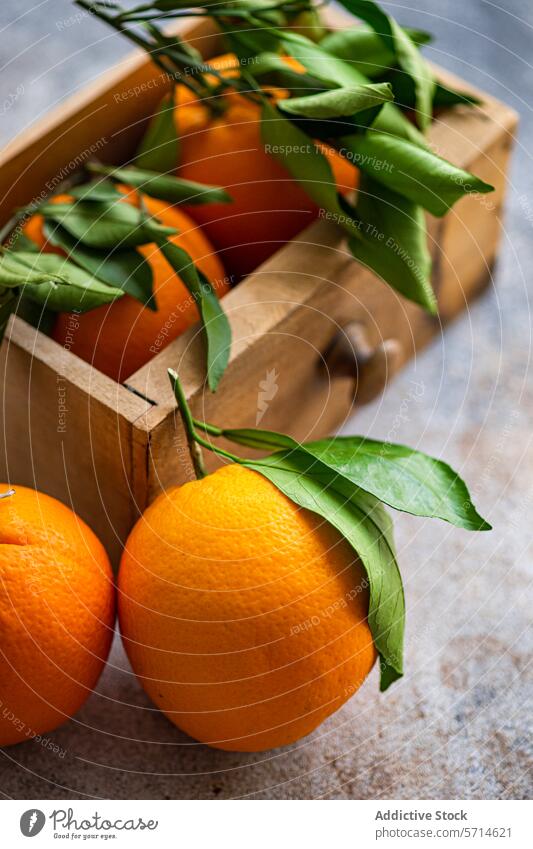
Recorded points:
121,337
244,617
57,612
269,208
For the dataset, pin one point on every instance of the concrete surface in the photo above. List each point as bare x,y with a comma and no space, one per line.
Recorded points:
459,723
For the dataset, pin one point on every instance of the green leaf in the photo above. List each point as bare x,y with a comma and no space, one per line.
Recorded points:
19,267
364,48
401,477
338,102
165,187
21,242
104,224
363,522
299,155
126,269
393,242
214,320
393,122
159,148
404,50
153,230
53,281
419,175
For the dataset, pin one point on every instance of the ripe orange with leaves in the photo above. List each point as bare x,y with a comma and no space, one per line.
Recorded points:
57,611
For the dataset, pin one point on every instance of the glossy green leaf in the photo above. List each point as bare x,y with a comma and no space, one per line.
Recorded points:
387,232
393,242
419,175
159,148
104,224
393,122
166,187
260,440
215,323
125,269
416,68
8,305
323,67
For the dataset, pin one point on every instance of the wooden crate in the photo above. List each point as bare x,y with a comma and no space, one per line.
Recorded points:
107,449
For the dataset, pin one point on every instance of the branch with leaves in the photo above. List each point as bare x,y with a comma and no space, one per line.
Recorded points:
349,481
356,90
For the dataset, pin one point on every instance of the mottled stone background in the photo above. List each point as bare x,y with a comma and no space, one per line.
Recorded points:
459,723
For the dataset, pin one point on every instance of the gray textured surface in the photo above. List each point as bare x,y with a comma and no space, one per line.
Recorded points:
459,723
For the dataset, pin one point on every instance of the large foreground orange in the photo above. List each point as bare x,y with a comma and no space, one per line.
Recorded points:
57,610
243,616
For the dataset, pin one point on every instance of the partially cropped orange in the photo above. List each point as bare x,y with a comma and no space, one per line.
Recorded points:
119,338
57,612
269,207
244,617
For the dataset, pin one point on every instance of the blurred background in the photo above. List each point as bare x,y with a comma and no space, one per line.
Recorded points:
458,725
